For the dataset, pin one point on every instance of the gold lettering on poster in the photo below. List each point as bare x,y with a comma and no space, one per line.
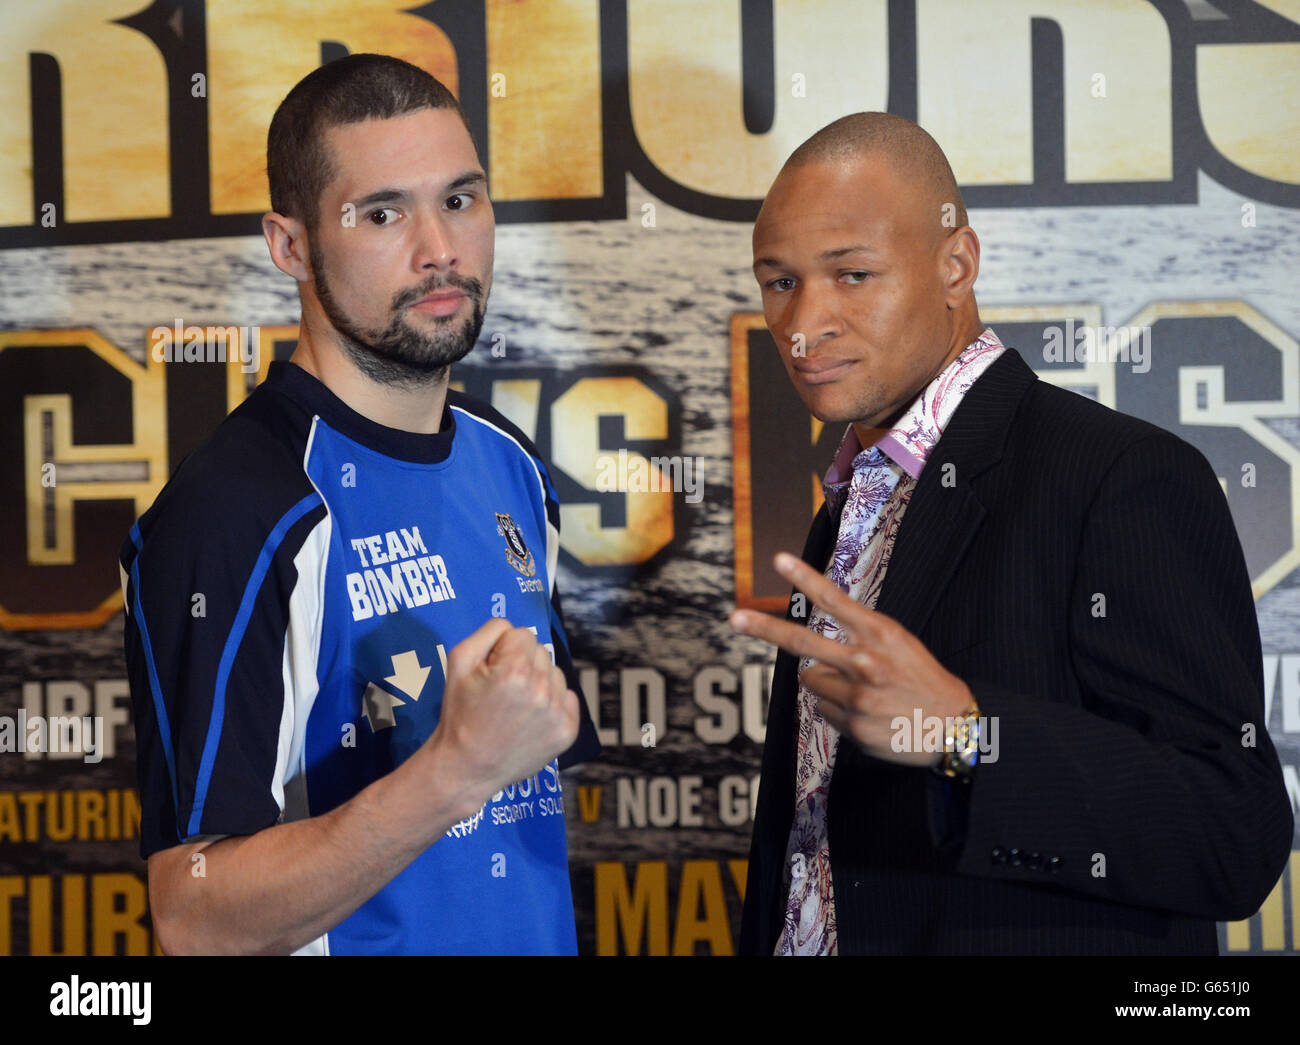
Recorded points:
113,84
519,400
635,918
702,910
114,471
544,104
72,889
648,494
1123,134
686,93
86,814
1249,96
108,892
11,890
118,905
257,52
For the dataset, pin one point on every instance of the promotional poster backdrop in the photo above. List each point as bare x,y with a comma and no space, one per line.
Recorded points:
1131,169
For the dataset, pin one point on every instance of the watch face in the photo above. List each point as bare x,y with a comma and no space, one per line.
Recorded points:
962,747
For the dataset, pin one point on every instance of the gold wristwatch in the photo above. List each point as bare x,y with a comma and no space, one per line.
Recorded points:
961,745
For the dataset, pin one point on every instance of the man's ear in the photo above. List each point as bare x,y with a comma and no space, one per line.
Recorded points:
286,239
961,265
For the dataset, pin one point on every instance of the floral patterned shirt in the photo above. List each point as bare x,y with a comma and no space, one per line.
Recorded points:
868,490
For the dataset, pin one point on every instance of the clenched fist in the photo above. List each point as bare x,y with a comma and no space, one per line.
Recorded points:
506,711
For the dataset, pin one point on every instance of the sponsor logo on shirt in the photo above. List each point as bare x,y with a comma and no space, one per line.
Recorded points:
397,572
532,798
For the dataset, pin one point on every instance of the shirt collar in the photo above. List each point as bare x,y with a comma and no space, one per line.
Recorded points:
909,442
317,398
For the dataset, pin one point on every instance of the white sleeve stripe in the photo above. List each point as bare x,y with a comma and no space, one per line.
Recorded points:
301,686
552,554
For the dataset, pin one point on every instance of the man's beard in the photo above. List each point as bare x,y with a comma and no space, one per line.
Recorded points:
401,354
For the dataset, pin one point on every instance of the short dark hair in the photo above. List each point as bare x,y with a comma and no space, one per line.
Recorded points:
347,90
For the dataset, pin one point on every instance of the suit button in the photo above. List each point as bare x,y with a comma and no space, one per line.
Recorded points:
1017,858
999,855
1035,861
1054,864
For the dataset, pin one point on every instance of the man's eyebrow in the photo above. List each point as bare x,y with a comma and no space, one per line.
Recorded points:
391,195
382,196
468,178
826,255
839,252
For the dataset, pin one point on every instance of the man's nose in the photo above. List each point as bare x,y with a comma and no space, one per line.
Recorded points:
435,247
814,317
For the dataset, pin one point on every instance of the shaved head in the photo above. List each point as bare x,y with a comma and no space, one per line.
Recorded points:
903,146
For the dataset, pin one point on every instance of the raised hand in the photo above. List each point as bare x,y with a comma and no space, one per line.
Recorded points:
881,673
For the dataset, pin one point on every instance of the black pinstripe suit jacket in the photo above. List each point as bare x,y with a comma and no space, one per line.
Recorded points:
1124,813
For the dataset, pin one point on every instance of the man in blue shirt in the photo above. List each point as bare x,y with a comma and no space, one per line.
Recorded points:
352,742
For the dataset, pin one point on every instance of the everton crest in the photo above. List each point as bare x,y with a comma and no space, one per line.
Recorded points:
517,553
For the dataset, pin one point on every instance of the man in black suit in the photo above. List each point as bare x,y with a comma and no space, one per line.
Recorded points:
1034,723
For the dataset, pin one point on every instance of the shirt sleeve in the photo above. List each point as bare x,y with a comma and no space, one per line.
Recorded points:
208,578
1163,789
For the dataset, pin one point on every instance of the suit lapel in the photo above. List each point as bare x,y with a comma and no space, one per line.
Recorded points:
944,512
939,523
782,721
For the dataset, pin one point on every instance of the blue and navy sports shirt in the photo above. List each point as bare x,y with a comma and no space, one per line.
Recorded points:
291,598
